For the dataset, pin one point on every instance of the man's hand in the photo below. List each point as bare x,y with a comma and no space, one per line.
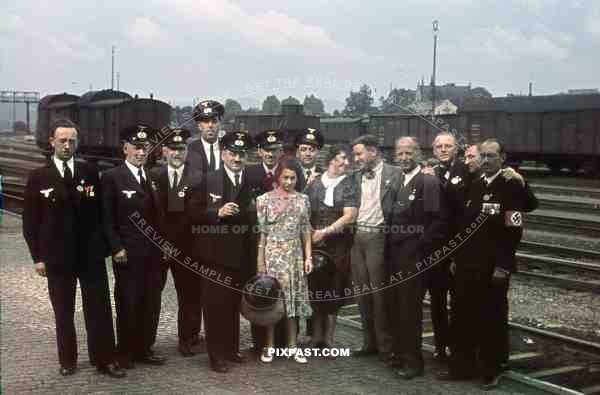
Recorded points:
40,268
428,170
453,267
120,257
318,236
510,173
500,274
228,210
312,178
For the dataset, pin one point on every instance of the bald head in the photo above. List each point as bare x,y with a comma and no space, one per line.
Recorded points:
407,153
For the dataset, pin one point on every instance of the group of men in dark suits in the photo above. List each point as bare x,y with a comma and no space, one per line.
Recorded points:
452,229
72,220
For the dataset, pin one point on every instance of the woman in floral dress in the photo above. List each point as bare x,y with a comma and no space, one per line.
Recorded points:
284,251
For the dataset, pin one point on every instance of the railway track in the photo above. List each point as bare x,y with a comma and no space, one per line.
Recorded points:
561,272
583,224
546,360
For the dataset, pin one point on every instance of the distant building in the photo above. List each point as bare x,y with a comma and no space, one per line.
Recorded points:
443,107
583,91
455,93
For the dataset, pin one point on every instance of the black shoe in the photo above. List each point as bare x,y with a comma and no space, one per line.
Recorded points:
112,370
151,358
64,371
237,358
219,366
490,382
440,356
364,352
409,373
395,361
185,349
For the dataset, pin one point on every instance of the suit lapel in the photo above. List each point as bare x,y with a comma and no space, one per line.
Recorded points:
386,180
132,182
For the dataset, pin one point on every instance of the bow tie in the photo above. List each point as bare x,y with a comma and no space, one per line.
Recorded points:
369,174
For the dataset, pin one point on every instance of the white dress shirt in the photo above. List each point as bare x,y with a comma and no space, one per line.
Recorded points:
232,174
370,212
171,173
134,170
411,174
216,150
59,166
491,179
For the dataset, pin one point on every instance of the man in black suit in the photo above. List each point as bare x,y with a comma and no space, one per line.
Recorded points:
228,251
176,181
308,146
493,212
63,229
270,145
131,219
205,153
418,223
455,179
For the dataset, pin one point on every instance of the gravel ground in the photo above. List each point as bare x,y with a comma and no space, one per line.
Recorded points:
546,307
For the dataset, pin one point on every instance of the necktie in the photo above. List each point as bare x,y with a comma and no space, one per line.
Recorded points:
175,180
308,173
67,175
237,181
141,176
211,163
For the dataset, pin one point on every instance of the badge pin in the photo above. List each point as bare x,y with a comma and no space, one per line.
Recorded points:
486,197
181,194
82,181
455,180
411,197
79,188
92,194
46,192
129,194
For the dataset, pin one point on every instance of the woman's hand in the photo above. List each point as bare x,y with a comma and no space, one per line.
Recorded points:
308,266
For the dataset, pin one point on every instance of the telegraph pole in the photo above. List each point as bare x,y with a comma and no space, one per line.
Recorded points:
118,79
112,69
435,35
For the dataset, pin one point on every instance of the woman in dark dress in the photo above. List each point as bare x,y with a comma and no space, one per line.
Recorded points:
334,201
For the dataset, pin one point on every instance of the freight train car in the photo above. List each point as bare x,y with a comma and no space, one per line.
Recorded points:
291,121
342,130
50,108
561,131
101,115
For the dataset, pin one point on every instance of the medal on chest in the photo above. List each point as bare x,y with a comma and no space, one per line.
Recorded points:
411,197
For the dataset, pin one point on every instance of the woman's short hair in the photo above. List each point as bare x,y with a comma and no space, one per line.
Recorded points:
334,151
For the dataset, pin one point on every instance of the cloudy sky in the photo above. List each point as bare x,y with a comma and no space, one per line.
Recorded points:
183,50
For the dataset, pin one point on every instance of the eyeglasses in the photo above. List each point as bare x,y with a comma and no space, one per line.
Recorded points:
491,155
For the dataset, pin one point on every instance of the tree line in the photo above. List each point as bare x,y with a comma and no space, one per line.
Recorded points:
358,104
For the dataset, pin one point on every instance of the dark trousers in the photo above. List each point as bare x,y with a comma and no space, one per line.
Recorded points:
439,282
222,312
138,286
188,285
406,305
97,313
480,322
